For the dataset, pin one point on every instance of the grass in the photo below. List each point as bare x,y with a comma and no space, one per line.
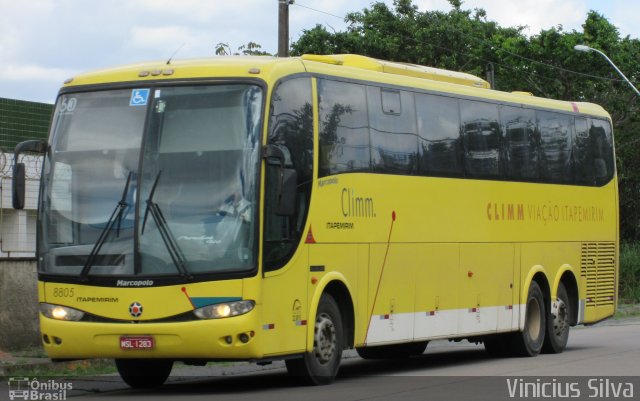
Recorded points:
630,273
31,352
89,367
627,311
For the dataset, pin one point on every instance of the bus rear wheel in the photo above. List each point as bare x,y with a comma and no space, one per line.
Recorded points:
320,366
529,341
558,323
144,373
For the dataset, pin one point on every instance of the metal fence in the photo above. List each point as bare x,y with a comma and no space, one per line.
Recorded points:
20,121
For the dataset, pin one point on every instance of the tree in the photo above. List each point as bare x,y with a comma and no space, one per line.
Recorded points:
544,64
249,49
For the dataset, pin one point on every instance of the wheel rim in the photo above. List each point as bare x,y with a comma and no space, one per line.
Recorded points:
533,319
561,319
324,339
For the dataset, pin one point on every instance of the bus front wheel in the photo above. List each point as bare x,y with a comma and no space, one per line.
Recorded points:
529,341
558,324
320,366
144,373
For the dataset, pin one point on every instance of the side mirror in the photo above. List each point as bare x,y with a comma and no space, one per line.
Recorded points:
287,181
18,180
18,186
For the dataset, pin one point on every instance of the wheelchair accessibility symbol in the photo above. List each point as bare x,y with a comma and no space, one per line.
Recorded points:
139,97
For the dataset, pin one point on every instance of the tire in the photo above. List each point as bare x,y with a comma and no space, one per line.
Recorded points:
558,324
144,373
393,351
529,341
320,366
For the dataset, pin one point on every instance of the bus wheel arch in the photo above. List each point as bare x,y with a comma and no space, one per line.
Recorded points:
571,285
539,275
340,293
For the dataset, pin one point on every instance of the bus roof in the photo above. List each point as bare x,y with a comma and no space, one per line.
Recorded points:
343,66
409,70
233,66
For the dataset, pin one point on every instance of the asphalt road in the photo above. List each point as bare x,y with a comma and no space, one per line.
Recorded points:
600,362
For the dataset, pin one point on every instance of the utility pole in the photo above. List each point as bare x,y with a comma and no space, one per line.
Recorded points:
283,27
491,75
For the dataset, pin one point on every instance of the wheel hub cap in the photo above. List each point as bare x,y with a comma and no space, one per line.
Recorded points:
324,339
560,319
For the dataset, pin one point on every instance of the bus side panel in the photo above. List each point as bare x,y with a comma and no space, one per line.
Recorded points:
392,272
361,304
286,308
437,291
440,290
486,287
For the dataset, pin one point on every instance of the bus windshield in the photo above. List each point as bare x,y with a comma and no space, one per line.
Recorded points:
153,181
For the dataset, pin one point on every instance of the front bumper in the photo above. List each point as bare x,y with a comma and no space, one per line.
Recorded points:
202,339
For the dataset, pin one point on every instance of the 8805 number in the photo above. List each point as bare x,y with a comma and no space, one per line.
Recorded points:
62,292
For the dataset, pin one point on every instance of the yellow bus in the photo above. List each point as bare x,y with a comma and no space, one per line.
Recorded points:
267,209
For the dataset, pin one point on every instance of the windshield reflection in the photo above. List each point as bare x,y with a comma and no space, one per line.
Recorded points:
201,149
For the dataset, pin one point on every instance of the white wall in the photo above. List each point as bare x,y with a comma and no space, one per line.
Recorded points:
18,227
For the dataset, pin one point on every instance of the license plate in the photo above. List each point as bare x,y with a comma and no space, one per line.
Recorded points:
136,342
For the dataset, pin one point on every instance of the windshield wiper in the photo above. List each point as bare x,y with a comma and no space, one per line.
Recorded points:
165,232
117,214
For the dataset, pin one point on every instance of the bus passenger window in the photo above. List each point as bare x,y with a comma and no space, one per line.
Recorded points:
481,138
392,125
520,145
344,128
555,144
582,156
601,142
438,136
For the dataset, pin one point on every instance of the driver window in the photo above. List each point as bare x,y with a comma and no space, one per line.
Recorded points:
291,130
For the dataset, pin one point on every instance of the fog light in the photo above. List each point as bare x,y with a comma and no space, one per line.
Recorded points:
46,339
57,340
228,340
244,337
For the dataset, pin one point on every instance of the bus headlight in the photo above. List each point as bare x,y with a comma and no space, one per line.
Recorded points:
60,312
223,310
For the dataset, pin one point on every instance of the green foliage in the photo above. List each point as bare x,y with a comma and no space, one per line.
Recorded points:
630,273
250,49
545,64
87,367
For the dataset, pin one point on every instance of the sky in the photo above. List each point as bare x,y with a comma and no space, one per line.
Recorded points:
44,42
